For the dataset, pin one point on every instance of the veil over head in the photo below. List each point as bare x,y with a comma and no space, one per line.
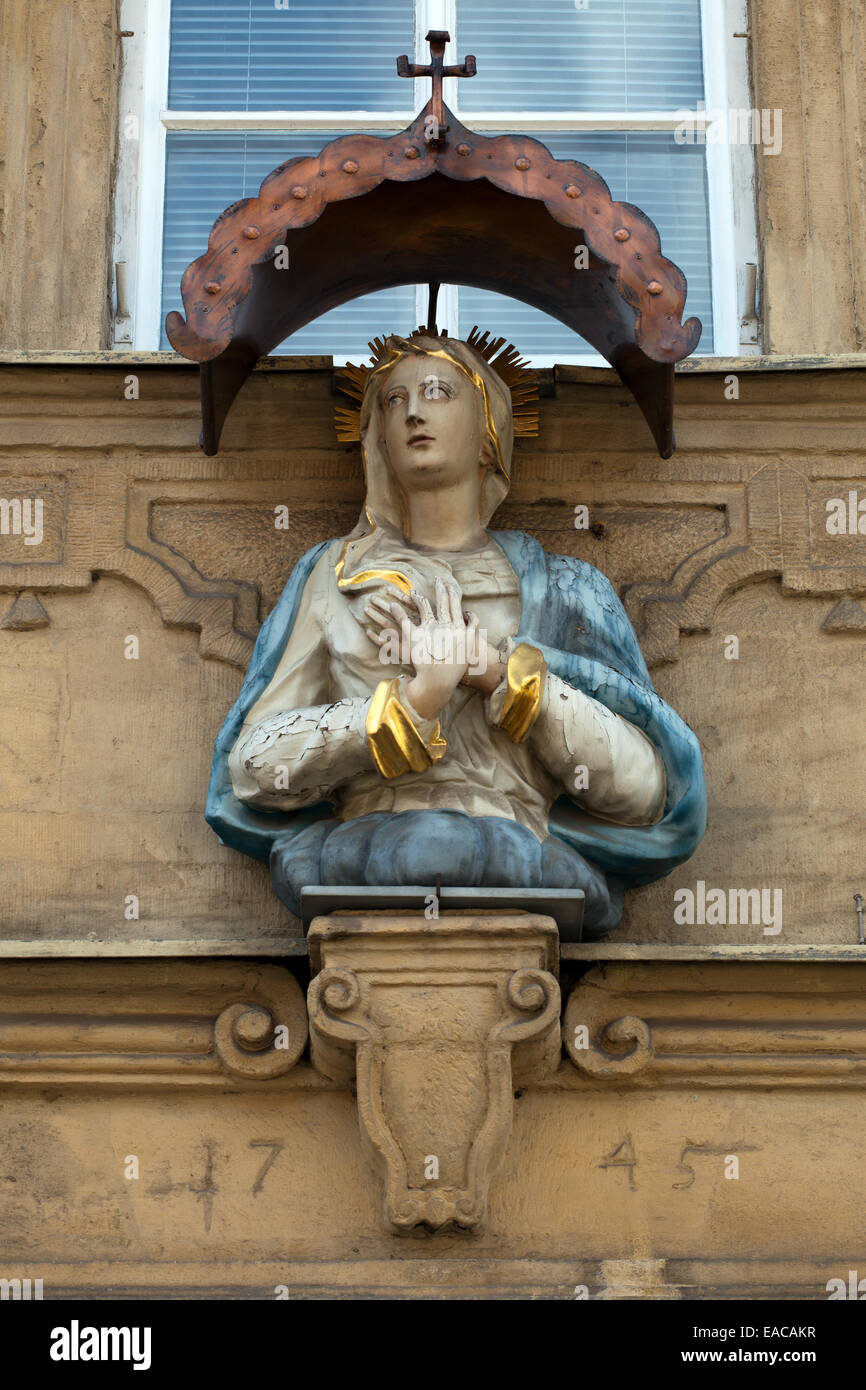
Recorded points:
376,551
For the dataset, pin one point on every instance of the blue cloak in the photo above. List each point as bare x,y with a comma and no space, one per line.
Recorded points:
572,614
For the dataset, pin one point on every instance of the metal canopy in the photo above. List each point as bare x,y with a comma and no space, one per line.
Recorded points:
440,203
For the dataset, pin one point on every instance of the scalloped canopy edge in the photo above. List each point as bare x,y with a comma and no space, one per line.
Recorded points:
371,212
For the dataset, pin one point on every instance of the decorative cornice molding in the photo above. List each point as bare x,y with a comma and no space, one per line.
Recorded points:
148,1023
740,1024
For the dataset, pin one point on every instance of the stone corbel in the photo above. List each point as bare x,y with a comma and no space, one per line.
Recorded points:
435,1022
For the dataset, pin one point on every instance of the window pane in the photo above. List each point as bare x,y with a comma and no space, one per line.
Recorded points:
205,173
251,55
550,55
668,182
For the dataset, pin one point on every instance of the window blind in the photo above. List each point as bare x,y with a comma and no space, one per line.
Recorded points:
550,55
250,55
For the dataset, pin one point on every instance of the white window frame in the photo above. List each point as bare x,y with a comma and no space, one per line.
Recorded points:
145,119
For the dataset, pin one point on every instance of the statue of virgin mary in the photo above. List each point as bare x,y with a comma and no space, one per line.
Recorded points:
432,698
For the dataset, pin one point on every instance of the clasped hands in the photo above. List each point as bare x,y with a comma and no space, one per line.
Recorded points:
446,647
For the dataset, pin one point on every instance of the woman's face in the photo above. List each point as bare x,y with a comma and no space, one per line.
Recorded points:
433,428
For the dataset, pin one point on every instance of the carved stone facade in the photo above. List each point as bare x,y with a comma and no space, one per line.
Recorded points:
731,1045
679,1172
694,1132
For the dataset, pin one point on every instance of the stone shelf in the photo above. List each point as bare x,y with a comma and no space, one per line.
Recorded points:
77,948
281,948
661,951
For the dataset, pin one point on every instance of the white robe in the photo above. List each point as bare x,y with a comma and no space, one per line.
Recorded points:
305,740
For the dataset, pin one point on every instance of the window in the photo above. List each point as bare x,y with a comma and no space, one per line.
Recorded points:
216,93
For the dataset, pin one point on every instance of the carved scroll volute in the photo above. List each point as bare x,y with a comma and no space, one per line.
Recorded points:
333,1003
429,1030
263,1037
603,1046
533,1035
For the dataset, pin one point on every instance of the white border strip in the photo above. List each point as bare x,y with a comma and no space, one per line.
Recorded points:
385,120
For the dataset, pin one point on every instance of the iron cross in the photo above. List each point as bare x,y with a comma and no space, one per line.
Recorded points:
437,39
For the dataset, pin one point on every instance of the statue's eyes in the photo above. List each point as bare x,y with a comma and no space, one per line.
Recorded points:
434,389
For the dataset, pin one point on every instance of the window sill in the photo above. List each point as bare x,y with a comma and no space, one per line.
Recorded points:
566,372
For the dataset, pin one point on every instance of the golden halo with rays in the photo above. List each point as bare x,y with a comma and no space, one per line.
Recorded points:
501,355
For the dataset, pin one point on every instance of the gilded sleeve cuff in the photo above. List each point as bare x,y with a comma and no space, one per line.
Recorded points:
395,741
526,673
